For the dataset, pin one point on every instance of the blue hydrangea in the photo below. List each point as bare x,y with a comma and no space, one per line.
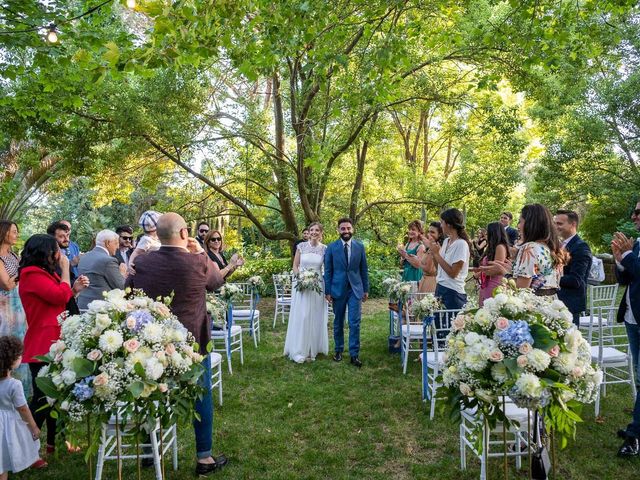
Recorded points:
142,317
82,390
515,334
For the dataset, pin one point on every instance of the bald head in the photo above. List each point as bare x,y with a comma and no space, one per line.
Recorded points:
172,230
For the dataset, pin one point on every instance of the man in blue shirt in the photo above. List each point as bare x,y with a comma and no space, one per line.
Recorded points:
72,251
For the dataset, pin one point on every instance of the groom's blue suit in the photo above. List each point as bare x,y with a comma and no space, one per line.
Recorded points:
346,283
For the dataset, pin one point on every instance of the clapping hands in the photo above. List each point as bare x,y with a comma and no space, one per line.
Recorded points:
620,244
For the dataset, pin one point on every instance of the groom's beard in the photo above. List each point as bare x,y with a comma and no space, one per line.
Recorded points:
346,236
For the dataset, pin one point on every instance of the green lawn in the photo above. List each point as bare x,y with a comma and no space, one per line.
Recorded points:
325,420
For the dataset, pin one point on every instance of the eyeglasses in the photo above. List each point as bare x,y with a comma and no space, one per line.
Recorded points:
126,239
215,239
203,230
636,212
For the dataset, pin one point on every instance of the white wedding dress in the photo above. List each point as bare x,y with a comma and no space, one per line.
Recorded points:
307,331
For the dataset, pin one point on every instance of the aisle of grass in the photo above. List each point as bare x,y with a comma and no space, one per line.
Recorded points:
325,420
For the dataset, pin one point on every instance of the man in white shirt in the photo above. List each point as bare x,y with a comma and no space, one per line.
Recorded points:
627,254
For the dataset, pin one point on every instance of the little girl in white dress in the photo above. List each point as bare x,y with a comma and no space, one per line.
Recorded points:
19,434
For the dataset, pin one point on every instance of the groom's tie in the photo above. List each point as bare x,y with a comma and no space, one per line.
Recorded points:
346,254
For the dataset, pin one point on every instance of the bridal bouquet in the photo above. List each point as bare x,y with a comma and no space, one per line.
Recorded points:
308,280
397,290
424,306
523,346
129,355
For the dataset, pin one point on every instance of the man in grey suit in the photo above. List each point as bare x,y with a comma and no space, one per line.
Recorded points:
101,267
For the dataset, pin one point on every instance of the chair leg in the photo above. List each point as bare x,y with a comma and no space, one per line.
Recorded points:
463,452
100,459
275,315
405,360
174,447
228,357
241,352
156,454
597,412
255,336
220,384
432,408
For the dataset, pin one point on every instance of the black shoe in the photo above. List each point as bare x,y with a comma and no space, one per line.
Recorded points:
356,362
622,433
207,468
630,448
337,357
146,462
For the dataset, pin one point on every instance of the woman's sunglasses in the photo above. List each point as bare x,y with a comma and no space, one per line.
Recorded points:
215,239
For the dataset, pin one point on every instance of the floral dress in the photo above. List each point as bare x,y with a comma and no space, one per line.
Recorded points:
534,261
12,317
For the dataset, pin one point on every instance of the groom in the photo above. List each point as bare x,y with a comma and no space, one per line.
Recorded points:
346,281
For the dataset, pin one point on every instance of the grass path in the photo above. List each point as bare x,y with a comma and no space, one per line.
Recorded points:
325,420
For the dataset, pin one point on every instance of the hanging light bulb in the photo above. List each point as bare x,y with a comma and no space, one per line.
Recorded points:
52,35
131,4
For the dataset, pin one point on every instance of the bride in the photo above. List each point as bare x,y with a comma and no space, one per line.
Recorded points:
307,331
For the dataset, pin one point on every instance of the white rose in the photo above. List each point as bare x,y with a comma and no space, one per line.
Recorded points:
471,338
68,377
68,357
102,320
64,405
466,390
152,333
153,369
98,306
57,380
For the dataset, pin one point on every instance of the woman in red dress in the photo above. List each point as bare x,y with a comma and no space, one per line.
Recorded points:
44,295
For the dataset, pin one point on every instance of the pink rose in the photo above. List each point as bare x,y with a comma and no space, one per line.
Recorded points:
525,348
131,345
554,351
163,387
496,356
101,380
577,372
522,361
94,355
170,349
162,309
131,323
458,322
502,323
58,358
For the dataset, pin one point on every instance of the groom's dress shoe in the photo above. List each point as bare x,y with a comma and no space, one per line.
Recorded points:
630,448
356,362
337,357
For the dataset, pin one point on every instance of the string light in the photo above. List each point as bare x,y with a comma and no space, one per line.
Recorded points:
131,4
52,35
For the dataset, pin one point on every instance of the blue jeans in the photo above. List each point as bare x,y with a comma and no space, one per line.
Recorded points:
633,333
451,299
339,308
204,427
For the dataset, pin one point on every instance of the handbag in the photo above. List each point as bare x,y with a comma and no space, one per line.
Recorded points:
540,462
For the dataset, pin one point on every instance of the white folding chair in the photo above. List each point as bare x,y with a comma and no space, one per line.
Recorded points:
282,286
114,437
610,350
599,296
432,358
245,311
216,373
516,436
231,335
411,330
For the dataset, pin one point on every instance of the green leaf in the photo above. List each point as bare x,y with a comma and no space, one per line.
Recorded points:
83,367
48,388
139,369
136,388
112,54
542,338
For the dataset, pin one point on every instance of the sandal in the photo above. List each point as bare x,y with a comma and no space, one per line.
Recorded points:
40,463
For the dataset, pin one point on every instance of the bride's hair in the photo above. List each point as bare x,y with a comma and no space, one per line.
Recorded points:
316,224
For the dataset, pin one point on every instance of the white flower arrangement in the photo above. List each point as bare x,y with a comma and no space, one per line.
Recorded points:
217,308
308,280
424,306
256,283
284,279
525,347
117,353
397,290
230,292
